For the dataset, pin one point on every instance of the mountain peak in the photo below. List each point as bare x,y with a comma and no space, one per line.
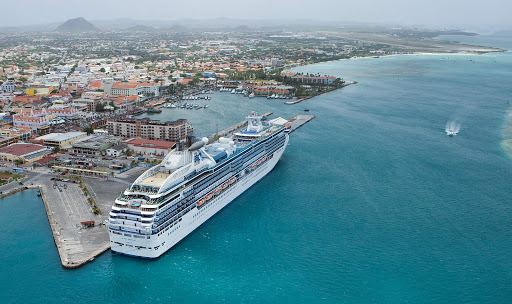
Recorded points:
77,25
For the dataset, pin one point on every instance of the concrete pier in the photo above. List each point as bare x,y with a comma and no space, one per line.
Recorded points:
67,206
229,130
76,245
298,121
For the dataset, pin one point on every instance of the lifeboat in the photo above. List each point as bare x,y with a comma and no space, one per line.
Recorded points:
232,180
264,159
200,202
217,190
209,196
253,166
225,185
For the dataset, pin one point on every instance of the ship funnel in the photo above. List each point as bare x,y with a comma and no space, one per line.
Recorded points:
196,146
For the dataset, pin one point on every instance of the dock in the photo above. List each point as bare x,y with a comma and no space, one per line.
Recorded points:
79,234
297,101
224,132
298,121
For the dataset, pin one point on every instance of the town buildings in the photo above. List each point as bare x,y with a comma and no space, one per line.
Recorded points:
307,79
39,90
37,120
8,86
130,89
10,135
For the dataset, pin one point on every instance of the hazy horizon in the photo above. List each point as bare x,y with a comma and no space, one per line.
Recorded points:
447,13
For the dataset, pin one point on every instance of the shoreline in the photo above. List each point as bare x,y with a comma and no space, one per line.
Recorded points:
377,56
460,53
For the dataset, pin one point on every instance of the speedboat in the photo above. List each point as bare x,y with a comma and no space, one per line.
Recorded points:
451,132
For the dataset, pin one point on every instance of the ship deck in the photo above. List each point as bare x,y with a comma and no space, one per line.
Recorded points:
155,180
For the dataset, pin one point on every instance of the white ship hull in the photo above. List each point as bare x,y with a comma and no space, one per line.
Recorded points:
140,246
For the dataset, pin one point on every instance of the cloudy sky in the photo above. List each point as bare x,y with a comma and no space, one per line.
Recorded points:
407,12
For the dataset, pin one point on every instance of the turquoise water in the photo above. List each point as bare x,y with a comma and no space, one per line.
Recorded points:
371,202
498,41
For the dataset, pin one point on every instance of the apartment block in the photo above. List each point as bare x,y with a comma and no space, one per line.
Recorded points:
150,129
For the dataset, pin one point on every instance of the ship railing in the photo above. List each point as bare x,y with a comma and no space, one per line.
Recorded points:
131,232
144,189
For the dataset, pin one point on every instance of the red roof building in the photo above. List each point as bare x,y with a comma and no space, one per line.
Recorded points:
149,146
23,152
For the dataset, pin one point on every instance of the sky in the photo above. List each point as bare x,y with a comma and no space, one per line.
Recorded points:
400,12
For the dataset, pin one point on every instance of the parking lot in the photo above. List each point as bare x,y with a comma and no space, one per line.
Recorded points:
73,201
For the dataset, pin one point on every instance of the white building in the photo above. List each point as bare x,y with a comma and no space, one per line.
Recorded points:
116,150
148,88
126,89
130,89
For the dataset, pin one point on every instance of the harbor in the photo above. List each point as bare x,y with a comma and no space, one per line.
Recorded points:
80,235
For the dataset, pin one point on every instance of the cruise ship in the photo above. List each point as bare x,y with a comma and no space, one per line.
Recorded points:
170,200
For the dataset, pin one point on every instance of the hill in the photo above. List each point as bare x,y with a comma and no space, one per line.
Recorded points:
77,25
140,28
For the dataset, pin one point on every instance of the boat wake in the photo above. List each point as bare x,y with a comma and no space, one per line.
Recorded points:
452,128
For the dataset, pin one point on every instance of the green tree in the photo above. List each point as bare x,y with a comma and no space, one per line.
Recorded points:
99,107
89,130
102,70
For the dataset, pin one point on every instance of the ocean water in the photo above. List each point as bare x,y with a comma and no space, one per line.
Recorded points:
371,203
